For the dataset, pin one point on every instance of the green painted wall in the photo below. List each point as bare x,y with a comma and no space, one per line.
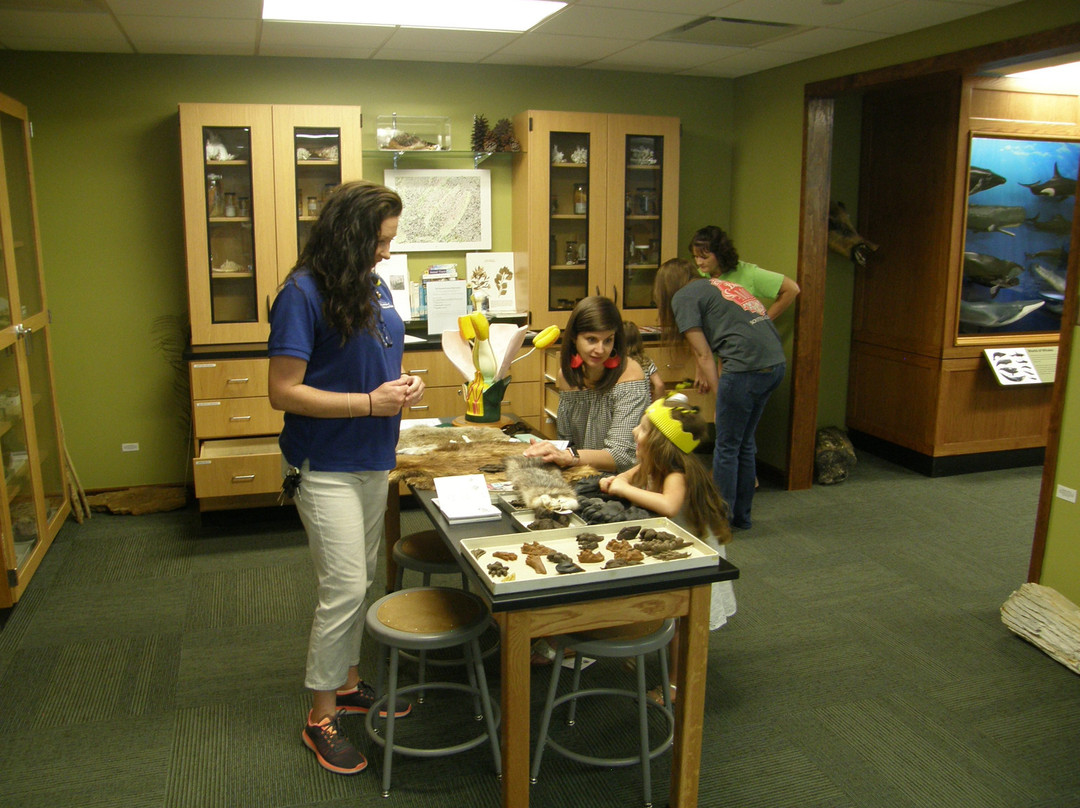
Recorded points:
106,155
1061,559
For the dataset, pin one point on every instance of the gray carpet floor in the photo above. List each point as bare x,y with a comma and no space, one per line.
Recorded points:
157,662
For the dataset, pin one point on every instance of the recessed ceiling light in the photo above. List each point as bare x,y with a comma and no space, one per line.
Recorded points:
468,15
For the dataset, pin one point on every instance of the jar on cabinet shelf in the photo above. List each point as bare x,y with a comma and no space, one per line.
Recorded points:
581,199
214,198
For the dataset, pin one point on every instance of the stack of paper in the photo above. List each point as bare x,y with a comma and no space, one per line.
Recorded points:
465,498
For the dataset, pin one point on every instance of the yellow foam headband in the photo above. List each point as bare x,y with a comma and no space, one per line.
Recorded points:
659,413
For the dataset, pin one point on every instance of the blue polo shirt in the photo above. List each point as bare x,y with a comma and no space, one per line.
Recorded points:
365,361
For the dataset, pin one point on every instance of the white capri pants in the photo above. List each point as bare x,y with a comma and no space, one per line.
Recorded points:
343,514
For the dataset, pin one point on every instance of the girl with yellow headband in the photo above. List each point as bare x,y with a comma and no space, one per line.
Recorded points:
669,480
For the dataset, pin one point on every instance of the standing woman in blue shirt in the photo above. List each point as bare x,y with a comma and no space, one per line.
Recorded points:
335,369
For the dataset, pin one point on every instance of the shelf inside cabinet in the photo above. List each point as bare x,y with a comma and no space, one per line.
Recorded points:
317,163
572,216
216,163
229,219
569,266
221,274
569,165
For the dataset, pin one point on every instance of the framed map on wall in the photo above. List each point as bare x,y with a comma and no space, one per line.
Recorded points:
443,209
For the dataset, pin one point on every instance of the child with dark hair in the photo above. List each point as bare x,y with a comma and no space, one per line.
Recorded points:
635,349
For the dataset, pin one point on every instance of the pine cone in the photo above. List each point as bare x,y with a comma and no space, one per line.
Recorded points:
479,132
490,144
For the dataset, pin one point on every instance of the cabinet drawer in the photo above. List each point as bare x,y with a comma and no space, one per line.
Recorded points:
551,364
434,367
551,400
229,378
521,398
672,365
233,417
236,467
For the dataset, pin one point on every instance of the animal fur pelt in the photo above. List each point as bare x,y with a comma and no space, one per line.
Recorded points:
540,485
834,456
441,452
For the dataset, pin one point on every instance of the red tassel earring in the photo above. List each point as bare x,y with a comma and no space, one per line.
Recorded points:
612,362
576,361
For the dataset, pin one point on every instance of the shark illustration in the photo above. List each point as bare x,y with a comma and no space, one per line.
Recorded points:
1056,224
981,179
1058,256
994,218
1055,188
989,270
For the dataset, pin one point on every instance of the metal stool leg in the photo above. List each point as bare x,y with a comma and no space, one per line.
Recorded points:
545,718
391,693
643,732
571,716
479,679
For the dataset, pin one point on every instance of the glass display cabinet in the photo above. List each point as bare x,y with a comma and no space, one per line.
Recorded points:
255,178
1021,195
33,486
595,209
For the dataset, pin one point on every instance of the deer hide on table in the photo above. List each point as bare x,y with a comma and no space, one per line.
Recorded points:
442,452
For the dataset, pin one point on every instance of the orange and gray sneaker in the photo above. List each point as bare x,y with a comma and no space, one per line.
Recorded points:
360,698
332,747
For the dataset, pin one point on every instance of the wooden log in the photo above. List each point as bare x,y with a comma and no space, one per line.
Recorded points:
1048,620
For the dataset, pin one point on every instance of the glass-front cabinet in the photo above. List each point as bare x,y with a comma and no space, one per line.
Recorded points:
33,487
255,178
595,209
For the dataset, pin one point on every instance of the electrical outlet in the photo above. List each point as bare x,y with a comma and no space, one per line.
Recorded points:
129,447
1066,493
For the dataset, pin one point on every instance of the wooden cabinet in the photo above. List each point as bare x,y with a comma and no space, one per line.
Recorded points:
443,382
236,448
254,179
33,485
595,209
919,387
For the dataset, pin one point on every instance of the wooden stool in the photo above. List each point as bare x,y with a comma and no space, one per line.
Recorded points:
425,619
634,640
426,553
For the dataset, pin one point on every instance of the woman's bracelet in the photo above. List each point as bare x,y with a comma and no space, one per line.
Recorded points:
370,406
348,403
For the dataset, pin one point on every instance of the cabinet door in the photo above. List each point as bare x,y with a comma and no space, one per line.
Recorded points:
33,490
315,150
567,207
643,212
228,177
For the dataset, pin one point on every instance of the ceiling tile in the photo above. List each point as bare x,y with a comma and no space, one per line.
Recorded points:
750,60
235,9
613,23
325,52
695,8
803,12
910,15
557,50
54,43
69,27
191,35
477,43
817,41
662,57
314,37
406,55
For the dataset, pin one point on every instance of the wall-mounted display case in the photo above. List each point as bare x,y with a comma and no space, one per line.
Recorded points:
1022,193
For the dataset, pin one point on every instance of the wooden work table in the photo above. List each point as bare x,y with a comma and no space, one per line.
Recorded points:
521,616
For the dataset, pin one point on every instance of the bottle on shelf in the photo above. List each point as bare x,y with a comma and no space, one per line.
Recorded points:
214,200
581,199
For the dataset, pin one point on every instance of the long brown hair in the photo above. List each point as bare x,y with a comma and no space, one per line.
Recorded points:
672,276
705,510
340,253
593,314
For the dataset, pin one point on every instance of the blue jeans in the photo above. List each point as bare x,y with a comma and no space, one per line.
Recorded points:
740,400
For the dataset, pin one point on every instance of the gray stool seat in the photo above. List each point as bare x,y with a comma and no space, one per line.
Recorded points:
426,553
635,640
425,619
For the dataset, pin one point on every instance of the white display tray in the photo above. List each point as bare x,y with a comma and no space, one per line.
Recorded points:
564,540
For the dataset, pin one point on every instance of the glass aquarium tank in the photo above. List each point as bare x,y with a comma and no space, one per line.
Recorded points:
1021,196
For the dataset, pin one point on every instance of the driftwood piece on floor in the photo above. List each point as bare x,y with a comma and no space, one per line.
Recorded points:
141,499
1047,619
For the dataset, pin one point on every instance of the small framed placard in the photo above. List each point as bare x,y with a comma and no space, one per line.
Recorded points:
1014,366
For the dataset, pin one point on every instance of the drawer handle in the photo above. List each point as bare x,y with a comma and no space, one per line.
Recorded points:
550,414
243,478
418,370
419,407
507,402
240,418
244,380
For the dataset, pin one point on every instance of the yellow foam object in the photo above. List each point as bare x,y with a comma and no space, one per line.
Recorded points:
546,337
465,327
480,324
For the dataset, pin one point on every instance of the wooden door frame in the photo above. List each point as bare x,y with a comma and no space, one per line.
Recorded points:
818,116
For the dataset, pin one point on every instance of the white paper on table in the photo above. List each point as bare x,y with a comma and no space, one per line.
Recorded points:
395,270
464,496
445,303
